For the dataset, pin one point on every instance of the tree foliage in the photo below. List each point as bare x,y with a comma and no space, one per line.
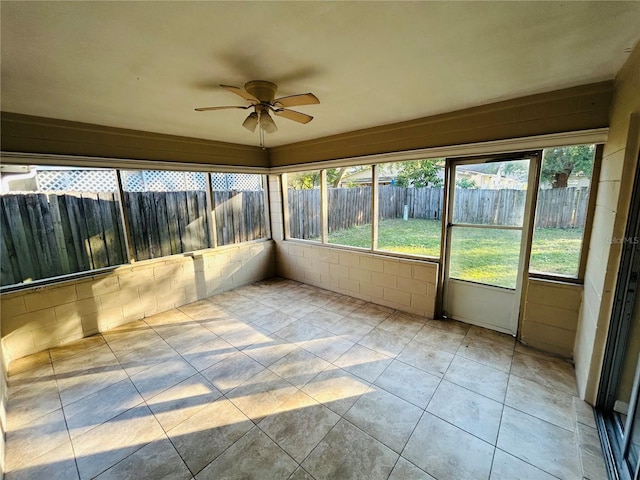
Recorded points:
558,163
309,180
466,183
419,173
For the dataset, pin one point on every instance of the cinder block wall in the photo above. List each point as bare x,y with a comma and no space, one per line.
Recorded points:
550,317
406,285
38,318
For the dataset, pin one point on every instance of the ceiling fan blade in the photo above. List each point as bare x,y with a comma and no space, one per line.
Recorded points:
296,100
206,109
242,93
293,115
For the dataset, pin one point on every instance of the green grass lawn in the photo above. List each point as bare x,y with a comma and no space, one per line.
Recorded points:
488,256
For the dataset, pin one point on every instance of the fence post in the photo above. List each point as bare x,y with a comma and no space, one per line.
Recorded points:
124,215
211,218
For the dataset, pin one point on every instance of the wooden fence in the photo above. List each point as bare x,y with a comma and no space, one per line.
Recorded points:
47,235
350,207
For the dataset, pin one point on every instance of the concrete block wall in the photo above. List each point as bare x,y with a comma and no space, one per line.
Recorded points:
550,318
38,318
406,285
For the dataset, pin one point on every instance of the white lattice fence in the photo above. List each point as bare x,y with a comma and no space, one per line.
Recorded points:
77,180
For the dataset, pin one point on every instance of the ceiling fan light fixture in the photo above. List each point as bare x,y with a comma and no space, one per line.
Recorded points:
266,122
251,122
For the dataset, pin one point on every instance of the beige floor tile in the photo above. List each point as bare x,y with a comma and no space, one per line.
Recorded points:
301,474
351,329
169,317
347,452
403,324
104,446
363,362
146,357
343,305
55,464
455,455
551,372
254,457
40,436
269,352
450,325
300,331
322,318
426,358
551,405
409,383
29,362
491,337
221,326
274,322
546,446
298,309
31,398
299,425
202,311
157,460
247,335
385,417
327,346
508,467
177,404
371,314
478,378
470,411
261,395
584,412
130,337
405,470
384,342
299,366
590,452
232,371
337,389
209,353
97,408
78,346
152,381
189,336
439,338
479,351
204,436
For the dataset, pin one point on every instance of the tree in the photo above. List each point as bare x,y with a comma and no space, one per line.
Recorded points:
558,163
308,180
420,173
466,183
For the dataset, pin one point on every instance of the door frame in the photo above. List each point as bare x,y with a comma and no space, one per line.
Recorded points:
535,163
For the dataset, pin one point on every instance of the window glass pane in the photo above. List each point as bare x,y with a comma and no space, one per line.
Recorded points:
239,207
410,206
491,193
485,255
561,209
303,195
57,220
166,212
349,198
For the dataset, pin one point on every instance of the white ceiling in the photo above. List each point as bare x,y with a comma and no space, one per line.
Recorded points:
147,65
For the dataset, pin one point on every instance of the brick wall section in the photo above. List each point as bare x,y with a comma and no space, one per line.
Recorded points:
551,316
406,285
42,317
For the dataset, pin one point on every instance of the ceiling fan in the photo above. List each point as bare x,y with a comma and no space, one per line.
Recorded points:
261,97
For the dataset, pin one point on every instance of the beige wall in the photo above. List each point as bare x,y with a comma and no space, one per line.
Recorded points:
39,318
572,109
550,316
28,134
612,205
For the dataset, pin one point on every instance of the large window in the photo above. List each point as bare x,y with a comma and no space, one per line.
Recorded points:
57,220
349,202
167,212
410,207
239,201
303,197
561,211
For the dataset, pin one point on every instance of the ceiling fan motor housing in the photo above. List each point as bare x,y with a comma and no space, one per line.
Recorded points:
262,90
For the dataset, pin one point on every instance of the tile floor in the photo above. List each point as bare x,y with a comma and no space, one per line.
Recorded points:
281,380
